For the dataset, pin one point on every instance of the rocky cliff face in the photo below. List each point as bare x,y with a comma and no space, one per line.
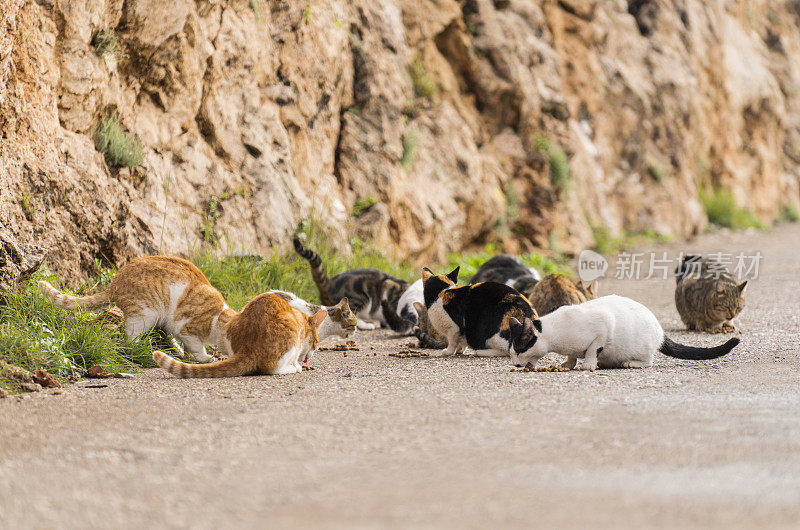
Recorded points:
465,120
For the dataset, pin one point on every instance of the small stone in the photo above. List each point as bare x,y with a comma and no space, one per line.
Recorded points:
3,393
56,392
97,372
123,375
31,387
45,379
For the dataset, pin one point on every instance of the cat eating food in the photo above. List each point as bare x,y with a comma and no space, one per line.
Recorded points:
364,288
405,316
611,331
477,315
706,296
267,337
340,322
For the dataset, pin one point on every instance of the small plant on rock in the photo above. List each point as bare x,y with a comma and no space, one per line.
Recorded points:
119,147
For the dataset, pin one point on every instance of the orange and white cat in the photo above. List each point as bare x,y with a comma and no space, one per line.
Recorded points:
174,294
267,337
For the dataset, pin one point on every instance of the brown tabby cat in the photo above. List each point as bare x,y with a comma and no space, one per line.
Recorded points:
556,290
168,292
707,298
267,337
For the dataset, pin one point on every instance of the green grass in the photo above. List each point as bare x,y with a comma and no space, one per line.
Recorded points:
256,7
788,214
471,262
424,86
410,143
105,41
119,147
606,244
559,165
36,334
362,205
656,173
722,210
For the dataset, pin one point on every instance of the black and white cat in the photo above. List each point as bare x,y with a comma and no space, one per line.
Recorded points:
404,317
611,331
364,288
507,269
477,316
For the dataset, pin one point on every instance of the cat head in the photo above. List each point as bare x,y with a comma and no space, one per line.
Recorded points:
524,339
727,300
433,284
343,318
312,334
525,285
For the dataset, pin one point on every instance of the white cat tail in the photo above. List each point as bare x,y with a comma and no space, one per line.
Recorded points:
67,301
230,367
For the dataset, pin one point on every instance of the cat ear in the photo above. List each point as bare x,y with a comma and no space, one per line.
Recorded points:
592,289
453,275
317,318
343,303
420,307
741,287
537,324
515,326
426,273
719,287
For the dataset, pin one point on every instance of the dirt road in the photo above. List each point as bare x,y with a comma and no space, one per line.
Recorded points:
369,440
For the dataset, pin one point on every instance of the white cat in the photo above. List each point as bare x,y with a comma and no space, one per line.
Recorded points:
612,330
403,318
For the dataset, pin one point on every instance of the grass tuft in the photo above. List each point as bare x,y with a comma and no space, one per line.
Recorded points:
470,263
119,147
559,166
410,143
362,205
424,86
788,214
605,243
722,210
105,41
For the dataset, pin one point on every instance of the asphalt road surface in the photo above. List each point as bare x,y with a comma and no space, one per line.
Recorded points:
369,440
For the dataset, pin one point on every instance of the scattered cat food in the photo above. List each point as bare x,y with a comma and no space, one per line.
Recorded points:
350,345
307,367
553,368
45,379
409,353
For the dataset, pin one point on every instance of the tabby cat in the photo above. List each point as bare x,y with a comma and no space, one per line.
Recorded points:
705,302
479,316
340,322
507,269
364,288
556,290
267,337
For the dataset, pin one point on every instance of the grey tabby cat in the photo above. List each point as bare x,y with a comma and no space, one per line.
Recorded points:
707,297
364,288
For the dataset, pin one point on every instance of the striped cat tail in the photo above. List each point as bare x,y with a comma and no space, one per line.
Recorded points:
67,301
230,367
321,279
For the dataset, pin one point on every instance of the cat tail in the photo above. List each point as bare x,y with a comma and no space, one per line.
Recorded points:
229,367
395,321
321,279
68,301
693,353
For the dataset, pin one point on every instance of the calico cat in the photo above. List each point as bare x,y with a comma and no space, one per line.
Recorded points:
162,291
478,316
267,337
364,288
507,269
405,316
612,331
555,290
705,302
340,322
